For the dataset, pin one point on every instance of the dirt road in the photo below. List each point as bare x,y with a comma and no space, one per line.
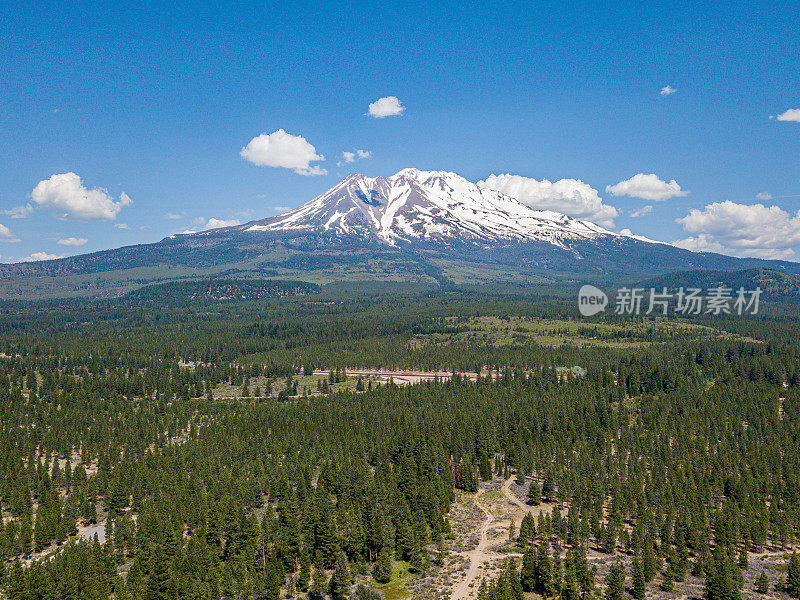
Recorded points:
478,556
498,517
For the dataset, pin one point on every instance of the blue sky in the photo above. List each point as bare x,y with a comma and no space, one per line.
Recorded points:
157,102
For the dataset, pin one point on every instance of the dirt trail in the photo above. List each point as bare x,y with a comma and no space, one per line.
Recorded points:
481,555
512,498
478,556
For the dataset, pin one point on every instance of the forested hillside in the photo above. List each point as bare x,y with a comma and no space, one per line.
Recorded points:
678,449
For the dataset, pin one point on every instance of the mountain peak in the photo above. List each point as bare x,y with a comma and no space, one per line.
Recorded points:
433,206
420,175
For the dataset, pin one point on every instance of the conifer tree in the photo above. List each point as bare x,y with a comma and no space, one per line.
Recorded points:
721,582
544,575
762,583
639,583
615,582
305,571
649,567
534,493
793,576
340,581
529,571
319,584
743,558
382,572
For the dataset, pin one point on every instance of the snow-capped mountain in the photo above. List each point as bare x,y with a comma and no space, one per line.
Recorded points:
421,226
415,205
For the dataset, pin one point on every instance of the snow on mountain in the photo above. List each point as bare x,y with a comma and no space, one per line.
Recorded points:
415,205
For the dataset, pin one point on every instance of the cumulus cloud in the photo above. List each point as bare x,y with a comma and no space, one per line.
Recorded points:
645,210
793,114
351,157
6,235
200,224
668,90
389,106
19,212
217,223
72,241
283,150
66,197
647,187
37,256
741,230
572,197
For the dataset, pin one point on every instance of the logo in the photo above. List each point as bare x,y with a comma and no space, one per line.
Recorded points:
719,300
591,300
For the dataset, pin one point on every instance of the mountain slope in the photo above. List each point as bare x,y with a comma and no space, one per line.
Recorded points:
428,226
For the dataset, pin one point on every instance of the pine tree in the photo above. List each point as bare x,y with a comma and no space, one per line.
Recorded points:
668,583
521,476
721,582
548,489
527,530
305,571
158,577
649,567
615,582
570,589
529,571
364,593
639,583
340,582
319,584
556,579
762,583
743,558
534,494
793,576
544,575
382,572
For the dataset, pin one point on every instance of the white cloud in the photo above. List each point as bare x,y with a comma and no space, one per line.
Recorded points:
764,196
351,157
645,210
121,225
200,224
6,235
647,187
281,209
284,150
19,212
741,230
572,197
668,90
389,106
66,197
173,216
793,114
217,223
37,256
72,241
